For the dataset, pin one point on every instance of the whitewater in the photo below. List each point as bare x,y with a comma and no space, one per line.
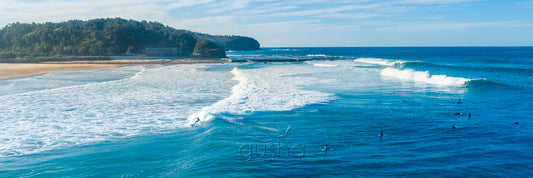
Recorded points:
379,112
147,101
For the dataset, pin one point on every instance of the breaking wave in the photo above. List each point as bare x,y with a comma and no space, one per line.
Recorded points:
379,61
423,76
262,90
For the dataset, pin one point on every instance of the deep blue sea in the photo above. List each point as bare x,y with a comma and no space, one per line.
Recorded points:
337,112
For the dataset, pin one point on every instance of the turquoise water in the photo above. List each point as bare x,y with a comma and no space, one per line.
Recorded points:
381,112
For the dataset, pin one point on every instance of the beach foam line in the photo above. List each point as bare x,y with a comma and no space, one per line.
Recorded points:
324,65
423,76
265,89
143,69
378,61
318,55
152,100
331,63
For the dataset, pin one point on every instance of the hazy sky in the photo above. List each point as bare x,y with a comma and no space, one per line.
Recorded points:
310,22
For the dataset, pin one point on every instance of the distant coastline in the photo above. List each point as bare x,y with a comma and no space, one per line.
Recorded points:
92,39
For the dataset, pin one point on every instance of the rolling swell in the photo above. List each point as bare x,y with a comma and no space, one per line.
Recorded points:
482,84
399,70
379,61
419,65
448,75
426,65
493,76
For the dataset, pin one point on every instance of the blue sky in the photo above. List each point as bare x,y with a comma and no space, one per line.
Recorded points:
293,23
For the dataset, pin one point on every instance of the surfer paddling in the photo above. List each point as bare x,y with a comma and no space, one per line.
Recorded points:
325,149
454,127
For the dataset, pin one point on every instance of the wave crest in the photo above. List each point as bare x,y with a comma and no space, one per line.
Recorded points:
423,76
262,90
379,61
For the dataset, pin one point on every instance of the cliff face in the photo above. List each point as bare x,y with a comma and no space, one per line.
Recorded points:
238,43
101,37
206,49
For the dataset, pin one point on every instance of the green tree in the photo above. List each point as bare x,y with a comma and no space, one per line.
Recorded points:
110,36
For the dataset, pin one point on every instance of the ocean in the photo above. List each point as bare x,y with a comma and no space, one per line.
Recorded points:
336,112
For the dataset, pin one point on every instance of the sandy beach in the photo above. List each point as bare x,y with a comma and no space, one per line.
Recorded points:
10,70
142,61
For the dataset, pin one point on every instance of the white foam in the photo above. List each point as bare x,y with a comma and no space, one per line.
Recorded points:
264,89
317,55
154,100
423,76
378,61
331,63
324,65
138,73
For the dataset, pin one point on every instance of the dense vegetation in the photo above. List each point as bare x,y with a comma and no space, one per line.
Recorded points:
232,42
100,37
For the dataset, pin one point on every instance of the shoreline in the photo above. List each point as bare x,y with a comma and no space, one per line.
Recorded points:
16,70
141,61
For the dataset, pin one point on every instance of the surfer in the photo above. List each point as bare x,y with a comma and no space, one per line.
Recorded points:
469,115
515,123
196,122
454,127
325,149
380,134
